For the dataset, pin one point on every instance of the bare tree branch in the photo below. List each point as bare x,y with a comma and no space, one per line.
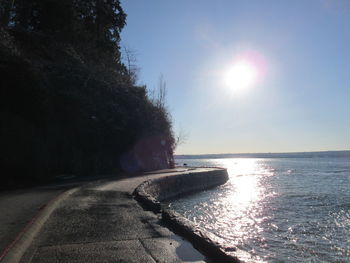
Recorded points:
181,137
129,60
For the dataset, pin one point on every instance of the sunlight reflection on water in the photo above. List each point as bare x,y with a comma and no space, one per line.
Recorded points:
241,205
270,209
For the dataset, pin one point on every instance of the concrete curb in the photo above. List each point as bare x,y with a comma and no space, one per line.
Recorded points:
17,248
151,192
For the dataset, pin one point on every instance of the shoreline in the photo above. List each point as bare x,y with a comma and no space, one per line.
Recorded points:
153,192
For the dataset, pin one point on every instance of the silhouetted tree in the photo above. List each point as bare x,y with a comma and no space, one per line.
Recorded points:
68,104
129,60
5,12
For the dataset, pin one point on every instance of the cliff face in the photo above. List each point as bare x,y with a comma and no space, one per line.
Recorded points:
61,113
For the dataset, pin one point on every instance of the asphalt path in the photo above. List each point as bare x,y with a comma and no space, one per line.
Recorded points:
96,215
17,208
102,222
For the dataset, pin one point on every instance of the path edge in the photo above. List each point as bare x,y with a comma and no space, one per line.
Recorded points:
14,252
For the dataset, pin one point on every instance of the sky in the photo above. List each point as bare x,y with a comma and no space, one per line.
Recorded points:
247,76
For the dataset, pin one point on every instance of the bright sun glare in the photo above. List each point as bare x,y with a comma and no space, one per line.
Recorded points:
241,75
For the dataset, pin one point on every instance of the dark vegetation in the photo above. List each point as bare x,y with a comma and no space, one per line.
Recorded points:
68,104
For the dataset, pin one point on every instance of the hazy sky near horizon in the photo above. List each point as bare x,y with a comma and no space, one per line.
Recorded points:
298,57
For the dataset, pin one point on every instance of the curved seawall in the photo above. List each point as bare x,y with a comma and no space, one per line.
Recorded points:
152,192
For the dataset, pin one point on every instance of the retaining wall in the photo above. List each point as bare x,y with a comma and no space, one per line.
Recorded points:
154,191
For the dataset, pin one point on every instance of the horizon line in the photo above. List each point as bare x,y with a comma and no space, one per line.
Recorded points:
322,151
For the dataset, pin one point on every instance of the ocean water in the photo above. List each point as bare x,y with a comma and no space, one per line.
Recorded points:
278,209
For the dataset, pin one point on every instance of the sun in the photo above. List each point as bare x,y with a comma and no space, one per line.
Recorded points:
241,76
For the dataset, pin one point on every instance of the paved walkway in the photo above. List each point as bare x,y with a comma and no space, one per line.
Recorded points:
101,222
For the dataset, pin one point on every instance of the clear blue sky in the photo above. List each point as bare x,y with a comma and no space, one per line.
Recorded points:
301,101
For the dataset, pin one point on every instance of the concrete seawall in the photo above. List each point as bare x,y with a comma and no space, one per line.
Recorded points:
152,192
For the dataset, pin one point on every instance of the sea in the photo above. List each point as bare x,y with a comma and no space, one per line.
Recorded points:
280,208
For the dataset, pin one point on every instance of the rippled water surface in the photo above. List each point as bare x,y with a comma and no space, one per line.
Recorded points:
277,210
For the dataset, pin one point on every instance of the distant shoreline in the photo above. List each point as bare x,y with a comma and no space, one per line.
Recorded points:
320,154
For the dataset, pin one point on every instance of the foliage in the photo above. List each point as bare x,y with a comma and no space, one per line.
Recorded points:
67,103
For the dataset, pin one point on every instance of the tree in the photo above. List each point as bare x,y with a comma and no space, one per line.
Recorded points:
5,12
68,103
158,95
129,60
181,137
